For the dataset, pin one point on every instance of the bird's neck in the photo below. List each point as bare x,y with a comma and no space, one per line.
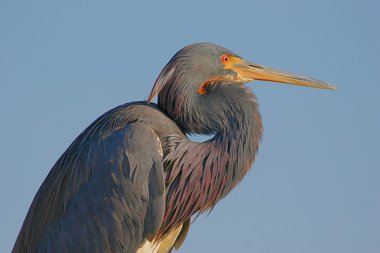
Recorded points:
199,174
237,146
234,147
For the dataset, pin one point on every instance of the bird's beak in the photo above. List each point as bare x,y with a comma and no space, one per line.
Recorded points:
250,71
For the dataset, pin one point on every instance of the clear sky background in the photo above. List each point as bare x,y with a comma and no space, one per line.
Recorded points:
315,185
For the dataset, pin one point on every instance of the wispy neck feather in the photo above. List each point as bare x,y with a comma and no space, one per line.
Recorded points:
200,174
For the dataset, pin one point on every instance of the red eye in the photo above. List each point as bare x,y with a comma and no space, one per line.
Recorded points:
225,58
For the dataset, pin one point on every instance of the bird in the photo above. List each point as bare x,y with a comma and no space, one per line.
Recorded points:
133,180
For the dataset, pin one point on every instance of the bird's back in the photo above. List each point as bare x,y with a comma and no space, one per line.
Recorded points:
106,192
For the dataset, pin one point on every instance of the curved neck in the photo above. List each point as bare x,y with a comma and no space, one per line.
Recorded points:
199,174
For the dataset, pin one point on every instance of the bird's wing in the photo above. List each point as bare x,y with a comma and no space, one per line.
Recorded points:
105,194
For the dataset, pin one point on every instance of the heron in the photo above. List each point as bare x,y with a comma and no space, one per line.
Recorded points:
133,180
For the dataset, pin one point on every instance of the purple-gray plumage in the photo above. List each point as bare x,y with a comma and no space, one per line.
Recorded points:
132,180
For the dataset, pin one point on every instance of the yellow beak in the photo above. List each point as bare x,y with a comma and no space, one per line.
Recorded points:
250,72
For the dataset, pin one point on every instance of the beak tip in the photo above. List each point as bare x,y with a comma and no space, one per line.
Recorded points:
331,87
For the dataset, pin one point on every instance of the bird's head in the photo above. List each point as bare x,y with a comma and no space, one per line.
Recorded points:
202,81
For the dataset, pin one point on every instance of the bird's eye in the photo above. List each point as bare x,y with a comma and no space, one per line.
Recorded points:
225,58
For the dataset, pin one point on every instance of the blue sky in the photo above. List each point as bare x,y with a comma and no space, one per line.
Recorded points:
315,185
